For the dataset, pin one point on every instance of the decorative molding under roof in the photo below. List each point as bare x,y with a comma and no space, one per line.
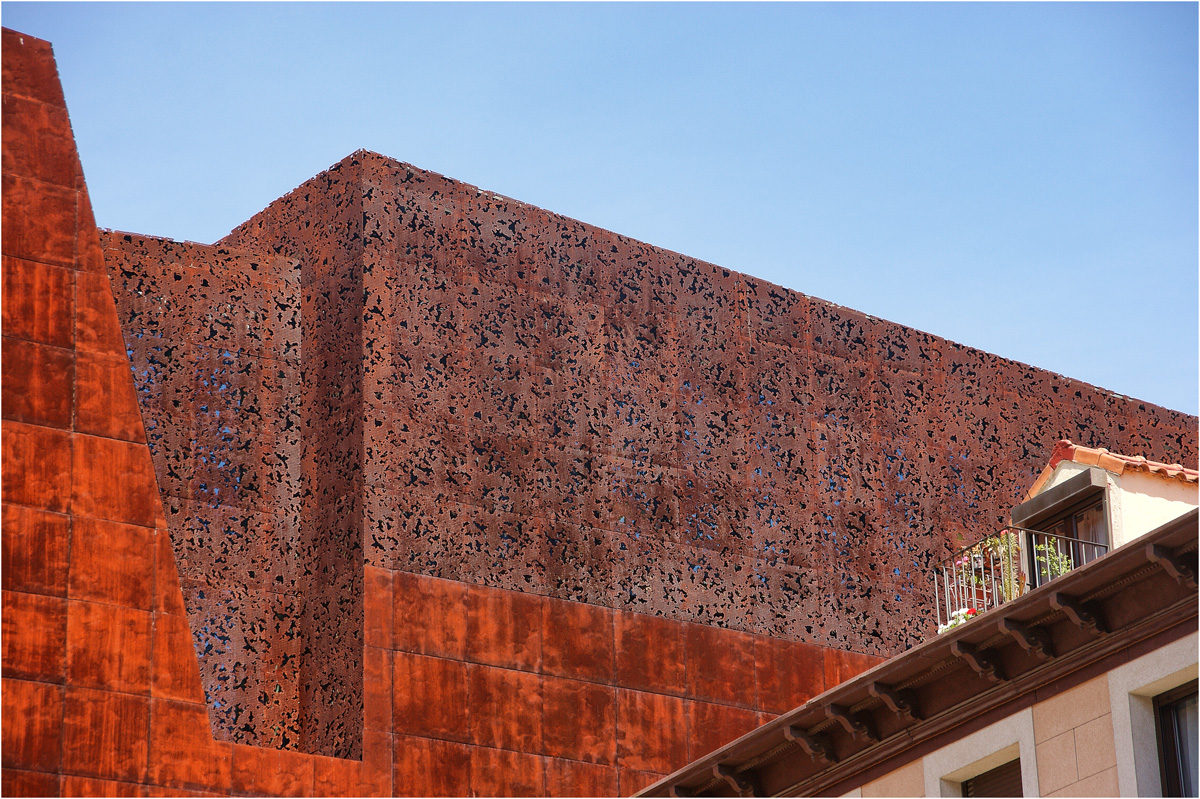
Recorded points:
1138,597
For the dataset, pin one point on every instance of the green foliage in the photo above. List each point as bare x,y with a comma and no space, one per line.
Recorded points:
1005,547
1051,561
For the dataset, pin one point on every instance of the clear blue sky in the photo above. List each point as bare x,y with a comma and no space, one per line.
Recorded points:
1017,177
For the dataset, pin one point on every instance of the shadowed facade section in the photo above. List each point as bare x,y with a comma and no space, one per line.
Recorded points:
249,465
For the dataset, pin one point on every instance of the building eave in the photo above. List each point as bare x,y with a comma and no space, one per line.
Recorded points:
1140,595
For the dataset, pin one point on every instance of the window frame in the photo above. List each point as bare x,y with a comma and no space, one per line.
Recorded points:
1009,739
1165,736
1069,515
1132,688
966,784
1079,492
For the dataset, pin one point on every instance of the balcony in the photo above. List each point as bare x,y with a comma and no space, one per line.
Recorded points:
1002,567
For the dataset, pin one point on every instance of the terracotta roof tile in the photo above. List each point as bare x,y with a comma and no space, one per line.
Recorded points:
1064,450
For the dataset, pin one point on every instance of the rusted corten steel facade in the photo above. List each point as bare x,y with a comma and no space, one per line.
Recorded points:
465,688
389,365
475,498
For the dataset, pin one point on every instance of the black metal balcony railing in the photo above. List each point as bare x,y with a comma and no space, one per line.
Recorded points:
1002,567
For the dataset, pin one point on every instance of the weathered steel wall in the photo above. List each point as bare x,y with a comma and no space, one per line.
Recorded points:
493,394
466,690
556,409
500,412
257,433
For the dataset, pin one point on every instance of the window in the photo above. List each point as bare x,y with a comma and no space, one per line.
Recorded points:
1086,524
1078,536
1006,743
1175,714
1004,780
1065,526
1133,688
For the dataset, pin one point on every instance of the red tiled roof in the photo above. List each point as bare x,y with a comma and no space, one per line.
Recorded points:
1064,450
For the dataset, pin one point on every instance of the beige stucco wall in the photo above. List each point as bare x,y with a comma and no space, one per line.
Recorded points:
1073,733
1063,472
1139,502
1096,739
1066,746
1145,502
905,781
941,772
1131,689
